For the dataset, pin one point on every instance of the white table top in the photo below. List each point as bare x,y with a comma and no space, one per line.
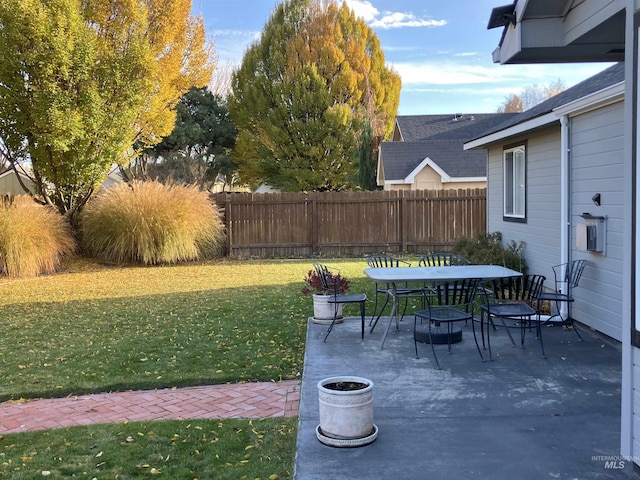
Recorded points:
446,273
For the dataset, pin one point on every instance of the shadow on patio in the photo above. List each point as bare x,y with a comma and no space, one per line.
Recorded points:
519,416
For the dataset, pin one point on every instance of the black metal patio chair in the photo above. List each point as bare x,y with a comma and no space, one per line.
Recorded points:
403,291
515,299
450,302
330,279
566,277
441,259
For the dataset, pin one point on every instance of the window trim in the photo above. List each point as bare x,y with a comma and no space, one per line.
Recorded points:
510,149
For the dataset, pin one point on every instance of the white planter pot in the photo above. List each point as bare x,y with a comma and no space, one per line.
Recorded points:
323,311
346,412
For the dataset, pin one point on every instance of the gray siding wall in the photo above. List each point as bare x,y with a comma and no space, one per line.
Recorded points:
541,232
597,166
636,404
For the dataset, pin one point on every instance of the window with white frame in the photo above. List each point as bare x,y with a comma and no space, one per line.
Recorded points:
515,184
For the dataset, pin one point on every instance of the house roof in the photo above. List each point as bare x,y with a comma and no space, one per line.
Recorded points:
607,78
417,128
448,155
436,141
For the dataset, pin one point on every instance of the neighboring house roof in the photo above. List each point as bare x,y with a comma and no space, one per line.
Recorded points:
404,160
543,112
417,128
436,141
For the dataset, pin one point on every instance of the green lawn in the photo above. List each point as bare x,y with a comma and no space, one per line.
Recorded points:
95,328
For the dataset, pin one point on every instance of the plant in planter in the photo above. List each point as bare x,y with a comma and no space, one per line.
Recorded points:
323,311
314,285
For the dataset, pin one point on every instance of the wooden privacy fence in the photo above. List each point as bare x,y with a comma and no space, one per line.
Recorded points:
341,224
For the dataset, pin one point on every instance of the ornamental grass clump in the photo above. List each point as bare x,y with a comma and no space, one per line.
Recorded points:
151,223
33,238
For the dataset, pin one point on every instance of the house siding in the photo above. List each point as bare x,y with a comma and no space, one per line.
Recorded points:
9,184
636,404
429,179
597,166
541,230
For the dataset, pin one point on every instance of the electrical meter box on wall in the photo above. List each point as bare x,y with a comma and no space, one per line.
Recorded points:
591,235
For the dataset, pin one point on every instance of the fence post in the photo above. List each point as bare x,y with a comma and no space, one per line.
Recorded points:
314,223
227,222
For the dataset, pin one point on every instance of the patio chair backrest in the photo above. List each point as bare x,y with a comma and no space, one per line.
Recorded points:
382,261
328,280
442,260
518,289
460,293
569,274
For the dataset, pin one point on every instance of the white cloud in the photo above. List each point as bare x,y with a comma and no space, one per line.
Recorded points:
443,73
373,17
511,78
400,20
466,54
364,9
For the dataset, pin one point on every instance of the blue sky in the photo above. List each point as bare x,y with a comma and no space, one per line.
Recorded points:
441,49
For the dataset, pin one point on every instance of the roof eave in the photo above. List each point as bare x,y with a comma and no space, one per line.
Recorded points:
537,122
598,99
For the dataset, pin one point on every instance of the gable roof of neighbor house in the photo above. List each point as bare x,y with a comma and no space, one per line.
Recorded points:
607,78
436,141
445,156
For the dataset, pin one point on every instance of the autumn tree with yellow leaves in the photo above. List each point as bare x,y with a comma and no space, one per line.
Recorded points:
304,94
83,81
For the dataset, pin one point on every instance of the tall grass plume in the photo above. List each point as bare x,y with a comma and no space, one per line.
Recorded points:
33,237
151,223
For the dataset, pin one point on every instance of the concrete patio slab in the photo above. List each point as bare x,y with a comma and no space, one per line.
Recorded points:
518,416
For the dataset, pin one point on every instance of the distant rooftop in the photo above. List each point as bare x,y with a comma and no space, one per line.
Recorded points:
417,128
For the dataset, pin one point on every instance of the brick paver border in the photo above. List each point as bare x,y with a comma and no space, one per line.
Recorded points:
242,400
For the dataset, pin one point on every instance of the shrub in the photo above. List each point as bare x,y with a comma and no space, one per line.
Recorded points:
33,237
151,223
486,248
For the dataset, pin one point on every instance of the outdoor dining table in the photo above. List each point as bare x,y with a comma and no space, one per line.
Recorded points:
394,275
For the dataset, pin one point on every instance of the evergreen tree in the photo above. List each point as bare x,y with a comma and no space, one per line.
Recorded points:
304,93
199,147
